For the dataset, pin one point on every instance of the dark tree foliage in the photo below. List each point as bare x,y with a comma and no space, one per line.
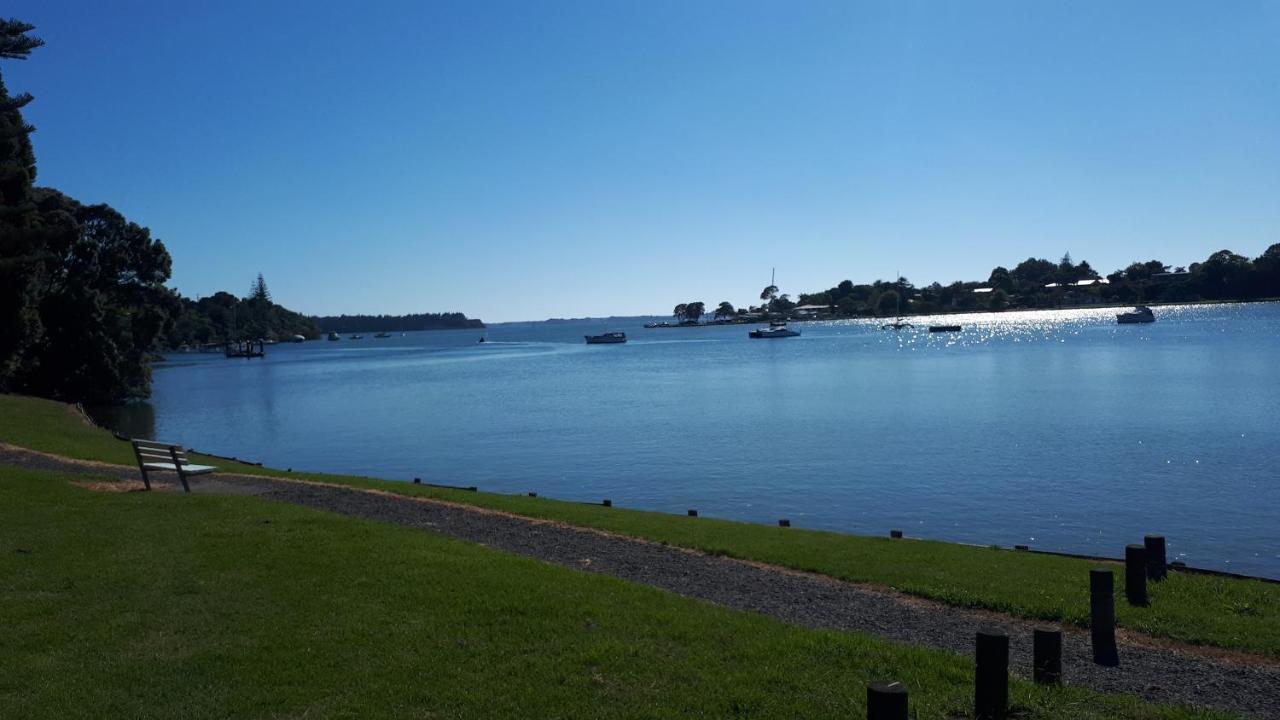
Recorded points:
694,311
82,297
396,323
223,317
101,302
20,236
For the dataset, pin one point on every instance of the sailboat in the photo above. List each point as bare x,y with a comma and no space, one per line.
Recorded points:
898,324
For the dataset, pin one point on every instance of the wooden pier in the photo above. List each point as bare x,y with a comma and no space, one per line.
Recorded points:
246,349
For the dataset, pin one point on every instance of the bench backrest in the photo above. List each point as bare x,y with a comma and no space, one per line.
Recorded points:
148,451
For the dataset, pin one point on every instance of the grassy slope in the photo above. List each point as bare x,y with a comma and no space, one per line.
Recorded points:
1243,615
165,605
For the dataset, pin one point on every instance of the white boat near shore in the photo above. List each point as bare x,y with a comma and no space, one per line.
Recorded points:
775,330
1140,314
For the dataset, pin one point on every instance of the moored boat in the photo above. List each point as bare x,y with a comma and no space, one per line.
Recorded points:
299,338
383,335
944,328
775,330
609,338
334,336
1140,314
898,324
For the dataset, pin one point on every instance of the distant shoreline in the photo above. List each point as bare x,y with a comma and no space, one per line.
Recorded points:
975,311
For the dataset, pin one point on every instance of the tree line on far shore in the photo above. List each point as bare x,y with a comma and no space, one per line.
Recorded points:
1034,283
396,323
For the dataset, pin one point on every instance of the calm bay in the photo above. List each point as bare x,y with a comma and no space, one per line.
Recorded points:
1059,429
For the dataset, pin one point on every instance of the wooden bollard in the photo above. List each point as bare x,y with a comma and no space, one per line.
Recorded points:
895,534
417,481
1135,574
1046,656
991,677
1102,617
693,513
607,502
886,701
784,523
533,494
1157,561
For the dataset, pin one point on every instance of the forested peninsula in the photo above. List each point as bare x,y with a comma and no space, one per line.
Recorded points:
396,323
1034,283
84,305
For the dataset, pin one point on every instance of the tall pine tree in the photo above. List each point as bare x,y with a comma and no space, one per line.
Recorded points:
20,257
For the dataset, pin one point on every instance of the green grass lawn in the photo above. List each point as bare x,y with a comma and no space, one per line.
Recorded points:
1223,612
159,605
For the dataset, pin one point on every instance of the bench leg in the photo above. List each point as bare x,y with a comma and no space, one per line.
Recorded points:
177,466
145,480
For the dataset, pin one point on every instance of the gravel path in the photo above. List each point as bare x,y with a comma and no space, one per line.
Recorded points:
1154,670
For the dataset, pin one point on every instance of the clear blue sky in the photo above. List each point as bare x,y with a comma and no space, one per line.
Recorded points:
520,160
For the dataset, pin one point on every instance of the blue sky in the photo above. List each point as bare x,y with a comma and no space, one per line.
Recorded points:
522,160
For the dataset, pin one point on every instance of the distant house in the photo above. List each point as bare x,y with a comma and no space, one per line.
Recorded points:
1081,283
983,290
810,310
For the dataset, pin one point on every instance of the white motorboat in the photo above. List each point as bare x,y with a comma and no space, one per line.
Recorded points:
608,338
775,330
1140,314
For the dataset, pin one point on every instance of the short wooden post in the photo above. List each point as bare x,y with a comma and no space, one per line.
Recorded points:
608,502
784,523
1046,656
886,701
533,494
417,481
1102,617
895,534
991,677
1135,574
1157,560
693,513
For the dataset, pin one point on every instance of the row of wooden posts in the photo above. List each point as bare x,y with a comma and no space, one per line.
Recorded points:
888,700
1148,561
1141,563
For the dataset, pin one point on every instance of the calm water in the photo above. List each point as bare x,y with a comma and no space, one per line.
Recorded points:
1060,430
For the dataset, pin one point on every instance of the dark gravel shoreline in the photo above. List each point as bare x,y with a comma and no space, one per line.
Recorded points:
1153,673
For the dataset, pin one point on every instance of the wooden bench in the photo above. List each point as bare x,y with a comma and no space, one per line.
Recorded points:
163,457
